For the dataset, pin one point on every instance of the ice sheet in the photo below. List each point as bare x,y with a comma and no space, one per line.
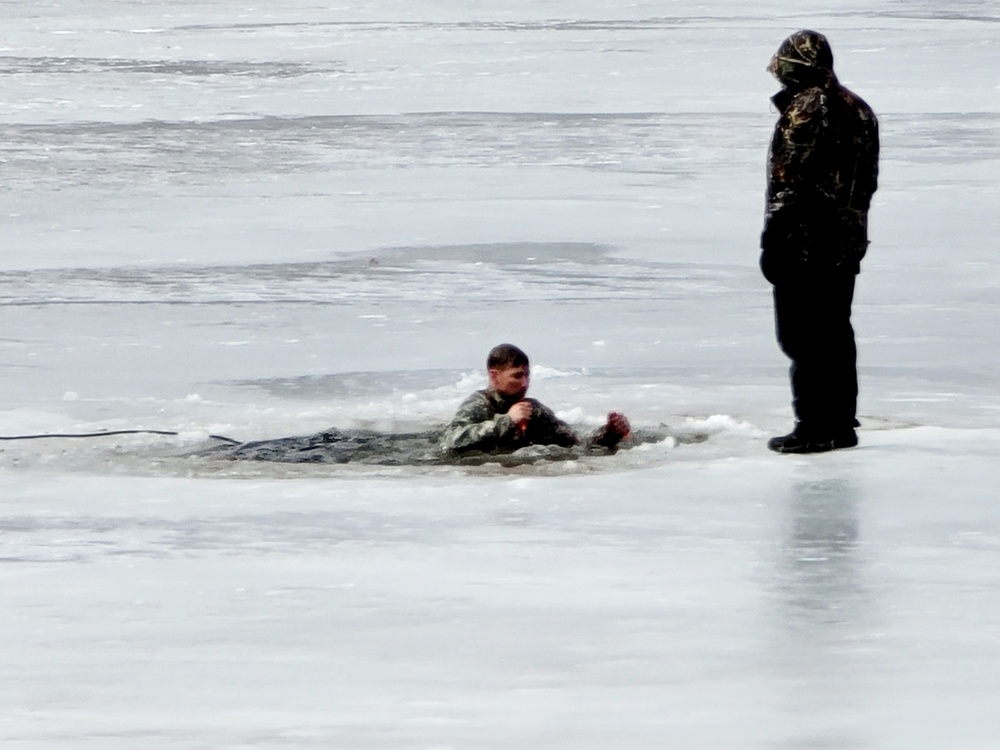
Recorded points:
257,222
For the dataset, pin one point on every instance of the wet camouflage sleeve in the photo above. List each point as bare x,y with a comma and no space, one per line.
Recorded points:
545,428
478,426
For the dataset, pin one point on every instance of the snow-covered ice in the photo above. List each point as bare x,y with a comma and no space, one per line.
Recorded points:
264,221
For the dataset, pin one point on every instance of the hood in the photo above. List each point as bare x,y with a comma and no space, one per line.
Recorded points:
803,59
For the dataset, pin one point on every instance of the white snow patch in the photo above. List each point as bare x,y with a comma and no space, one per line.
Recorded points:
719,423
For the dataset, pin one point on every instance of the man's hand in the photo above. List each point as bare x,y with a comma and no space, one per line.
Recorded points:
614,431
776,235
617,426
520,413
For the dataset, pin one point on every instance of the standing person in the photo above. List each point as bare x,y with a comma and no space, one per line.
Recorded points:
822,172
500,419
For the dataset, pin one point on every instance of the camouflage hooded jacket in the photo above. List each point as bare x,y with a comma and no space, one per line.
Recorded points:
822,167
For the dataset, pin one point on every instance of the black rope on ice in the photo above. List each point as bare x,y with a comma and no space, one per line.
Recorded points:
62,435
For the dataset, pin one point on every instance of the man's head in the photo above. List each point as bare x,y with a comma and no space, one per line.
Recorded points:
803,59
509,370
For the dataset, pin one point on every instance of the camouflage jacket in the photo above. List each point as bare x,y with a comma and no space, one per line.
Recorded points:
822,167
481,424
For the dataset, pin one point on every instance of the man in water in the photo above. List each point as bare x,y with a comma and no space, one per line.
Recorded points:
822,172
500,419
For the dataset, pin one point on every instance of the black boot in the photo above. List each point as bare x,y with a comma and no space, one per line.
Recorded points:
802,440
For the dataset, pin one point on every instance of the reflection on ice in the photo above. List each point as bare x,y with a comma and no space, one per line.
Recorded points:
819,575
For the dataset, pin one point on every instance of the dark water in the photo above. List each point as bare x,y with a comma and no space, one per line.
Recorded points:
371,447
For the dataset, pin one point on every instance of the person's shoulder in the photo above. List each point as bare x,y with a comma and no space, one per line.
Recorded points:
807,105
856,103
476,402
478,397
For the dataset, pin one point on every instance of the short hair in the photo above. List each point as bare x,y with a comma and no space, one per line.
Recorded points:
506,355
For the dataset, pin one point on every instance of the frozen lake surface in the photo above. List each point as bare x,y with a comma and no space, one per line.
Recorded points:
227,220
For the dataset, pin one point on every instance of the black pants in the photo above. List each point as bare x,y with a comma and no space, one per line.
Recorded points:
813,325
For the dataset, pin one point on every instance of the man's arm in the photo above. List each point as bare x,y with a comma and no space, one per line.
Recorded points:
545,428
614,431
475,427
794,189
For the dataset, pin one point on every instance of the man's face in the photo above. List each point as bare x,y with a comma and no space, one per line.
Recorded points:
510,381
